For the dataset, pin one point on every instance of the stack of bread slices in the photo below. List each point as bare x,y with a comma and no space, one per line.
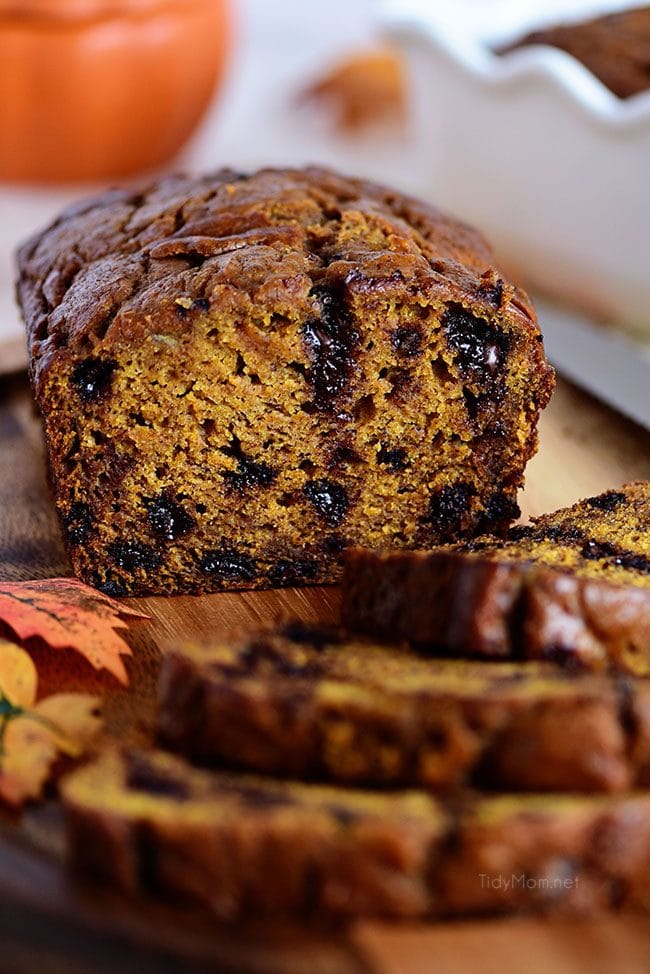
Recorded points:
474,739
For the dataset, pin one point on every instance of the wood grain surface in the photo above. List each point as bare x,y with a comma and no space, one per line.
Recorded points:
50,924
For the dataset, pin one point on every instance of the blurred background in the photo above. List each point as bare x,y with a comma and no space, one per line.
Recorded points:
531,147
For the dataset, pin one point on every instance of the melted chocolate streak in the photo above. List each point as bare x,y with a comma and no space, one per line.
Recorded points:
330,339
612,555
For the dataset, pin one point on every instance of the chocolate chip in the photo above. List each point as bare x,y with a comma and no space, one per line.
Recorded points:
286,572
259,797
563,533
78,523
132,555
638,563
343,816
333,544
472,403
92,377
606,502
329,499
595,550
476,544
143,776
344,454
110,585
484,406
400,380
617,891
184,310
250,473
115,465
265,657
448,508
501,506
564,657
407,340
394,459
480,347
311,635
299,368
618,557
438,738
627,711
167,518
329,340
229,565
493,293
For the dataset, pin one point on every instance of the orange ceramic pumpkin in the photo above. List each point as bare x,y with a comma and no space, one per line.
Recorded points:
93,89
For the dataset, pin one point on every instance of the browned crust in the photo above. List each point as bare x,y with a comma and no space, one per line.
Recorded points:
463,605
106,267
360,713
252,846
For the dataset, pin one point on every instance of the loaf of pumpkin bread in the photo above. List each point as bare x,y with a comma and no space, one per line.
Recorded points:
242,375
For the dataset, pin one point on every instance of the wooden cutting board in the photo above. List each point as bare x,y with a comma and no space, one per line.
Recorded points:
48,923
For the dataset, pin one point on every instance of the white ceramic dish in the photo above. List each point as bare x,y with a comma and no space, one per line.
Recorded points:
533,148
603,361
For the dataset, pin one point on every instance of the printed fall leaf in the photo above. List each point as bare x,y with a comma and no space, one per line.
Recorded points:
66,614
33,735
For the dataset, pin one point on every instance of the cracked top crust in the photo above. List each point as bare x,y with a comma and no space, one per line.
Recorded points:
130,263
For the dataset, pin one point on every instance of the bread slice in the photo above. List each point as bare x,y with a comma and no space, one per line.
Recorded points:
149,822
242,845
313,704
572,586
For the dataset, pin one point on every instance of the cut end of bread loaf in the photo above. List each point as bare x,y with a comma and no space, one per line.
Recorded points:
241,376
